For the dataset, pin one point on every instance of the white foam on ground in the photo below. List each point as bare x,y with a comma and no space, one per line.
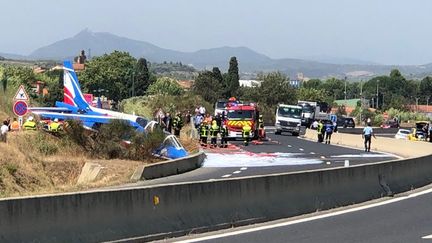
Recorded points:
361,156
255,160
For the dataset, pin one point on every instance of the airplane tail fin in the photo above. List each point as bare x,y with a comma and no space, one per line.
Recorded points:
72,89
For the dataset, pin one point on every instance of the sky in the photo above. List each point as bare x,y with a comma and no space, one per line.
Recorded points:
380,31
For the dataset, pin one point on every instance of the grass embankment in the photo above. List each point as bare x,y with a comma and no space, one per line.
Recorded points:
33,162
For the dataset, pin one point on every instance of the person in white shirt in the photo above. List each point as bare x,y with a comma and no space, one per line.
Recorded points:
367,136
3,131
314,125
202,110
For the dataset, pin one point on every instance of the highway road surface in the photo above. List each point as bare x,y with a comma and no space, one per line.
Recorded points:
283,153
405,218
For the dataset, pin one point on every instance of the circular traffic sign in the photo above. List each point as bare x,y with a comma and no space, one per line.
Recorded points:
20,108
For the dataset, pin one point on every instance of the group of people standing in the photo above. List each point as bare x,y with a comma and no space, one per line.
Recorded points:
171,124
209,126
10,126
324,130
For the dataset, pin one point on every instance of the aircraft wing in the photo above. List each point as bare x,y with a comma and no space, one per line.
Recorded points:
48,109
88,120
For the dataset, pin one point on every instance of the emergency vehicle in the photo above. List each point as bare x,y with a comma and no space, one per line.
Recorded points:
240,114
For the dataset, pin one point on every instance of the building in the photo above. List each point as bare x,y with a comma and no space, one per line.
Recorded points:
250,83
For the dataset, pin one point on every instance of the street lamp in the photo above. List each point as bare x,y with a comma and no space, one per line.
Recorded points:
377,95
417,103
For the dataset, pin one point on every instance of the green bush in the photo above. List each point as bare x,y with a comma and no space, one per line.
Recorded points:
44,145
147,106
109,141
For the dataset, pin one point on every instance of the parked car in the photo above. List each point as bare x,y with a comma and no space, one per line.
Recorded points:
402,134
390,124
345,122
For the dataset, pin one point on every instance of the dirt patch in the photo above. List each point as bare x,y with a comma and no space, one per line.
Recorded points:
37,163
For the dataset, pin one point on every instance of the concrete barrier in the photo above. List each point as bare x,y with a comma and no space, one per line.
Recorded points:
154,212
403,148
173,167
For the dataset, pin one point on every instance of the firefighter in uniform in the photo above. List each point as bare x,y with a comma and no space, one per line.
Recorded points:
261,127
224,135
54,126
246,131
177,124
214,129
320,130
29,124
203,134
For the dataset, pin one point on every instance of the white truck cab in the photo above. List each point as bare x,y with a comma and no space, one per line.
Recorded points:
288,119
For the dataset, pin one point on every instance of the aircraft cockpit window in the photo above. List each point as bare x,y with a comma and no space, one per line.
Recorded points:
172,140
142,122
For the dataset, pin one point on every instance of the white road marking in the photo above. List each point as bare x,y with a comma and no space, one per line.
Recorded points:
225,176
360,156
236,172
238,160
289,146
297,221
301,149
312,152
322,157
427,237
243,168
328,162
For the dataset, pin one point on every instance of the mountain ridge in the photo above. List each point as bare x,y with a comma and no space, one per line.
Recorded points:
249,60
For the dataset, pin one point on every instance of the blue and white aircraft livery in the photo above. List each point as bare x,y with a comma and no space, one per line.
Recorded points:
75,107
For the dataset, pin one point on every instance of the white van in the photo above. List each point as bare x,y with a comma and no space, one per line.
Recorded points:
288,119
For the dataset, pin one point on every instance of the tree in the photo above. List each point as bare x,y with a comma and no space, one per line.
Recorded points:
208,86
275,88
335,88
142,78
312,94
425,88
165,86
232,81
313,83
218,75
109,75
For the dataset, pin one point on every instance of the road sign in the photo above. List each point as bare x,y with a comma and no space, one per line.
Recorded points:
20,108
333,118
21,94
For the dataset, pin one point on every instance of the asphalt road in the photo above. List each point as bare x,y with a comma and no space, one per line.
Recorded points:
292,154
402,220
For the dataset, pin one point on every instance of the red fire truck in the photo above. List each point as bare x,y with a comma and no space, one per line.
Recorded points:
237,115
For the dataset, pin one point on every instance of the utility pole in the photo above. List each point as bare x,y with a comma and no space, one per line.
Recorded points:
361,100
427,104
377,103
345,88
417,103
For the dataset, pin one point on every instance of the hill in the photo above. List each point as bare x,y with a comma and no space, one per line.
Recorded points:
250,61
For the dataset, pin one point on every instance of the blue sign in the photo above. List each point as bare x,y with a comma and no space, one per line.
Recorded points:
20,108
333,118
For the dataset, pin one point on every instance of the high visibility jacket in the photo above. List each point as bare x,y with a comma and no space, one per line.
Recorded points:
29,125
260,122
178,122
224,132
246,130
203,130
15,126
320,127
54,126
214,129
